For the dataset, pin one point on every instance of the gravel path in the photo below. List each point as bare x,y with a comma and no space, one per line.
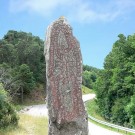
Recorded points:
88,97
36,110
41,110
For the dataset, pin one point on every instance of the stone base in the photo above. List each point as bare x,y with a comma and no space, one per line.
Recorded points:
72,128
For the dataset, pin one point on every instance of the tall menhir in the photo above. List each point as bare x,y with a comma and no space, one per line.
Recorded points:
67,115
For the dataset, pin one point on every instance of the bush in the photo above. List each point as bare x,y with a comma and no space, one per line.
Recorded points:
8,115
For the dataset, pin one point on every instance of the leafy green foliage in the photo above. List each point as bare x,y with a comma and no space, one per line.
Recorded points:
26,78
131,110
8,79
115,85
8,115
22,63
17,48
89,76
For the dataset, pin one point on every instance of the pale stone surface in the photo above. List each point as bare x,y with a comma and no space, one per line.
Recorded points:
67,115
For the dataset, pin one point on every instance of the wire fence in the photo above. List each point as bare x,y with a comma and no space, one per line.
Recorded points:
112,125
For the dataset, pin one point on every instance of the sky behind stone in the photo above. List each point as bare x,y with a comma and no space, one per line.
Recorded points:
95,23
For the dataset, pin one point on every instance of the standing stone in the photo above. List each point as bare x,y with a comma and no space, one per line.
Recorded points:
67,115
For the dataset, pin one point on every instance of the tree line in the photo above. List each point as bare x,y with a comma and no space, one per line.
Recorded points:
22,63
115,85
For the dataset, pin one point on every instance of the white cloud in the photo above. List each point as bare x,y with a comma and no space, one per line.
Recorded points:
76,10
43,7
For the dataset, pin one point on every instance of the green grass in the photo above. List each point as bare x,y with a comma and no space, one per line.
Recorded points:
93,110
28,125
86,90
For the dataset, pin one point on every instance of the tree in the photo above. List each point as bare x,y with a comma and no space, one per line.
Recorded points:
87,81
89,76
17,81
21,53
26,80
7,52
131,111
115,85
17,48
9,81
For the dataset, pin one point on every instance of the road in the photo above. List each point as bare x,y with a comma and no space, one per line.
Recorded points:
41,110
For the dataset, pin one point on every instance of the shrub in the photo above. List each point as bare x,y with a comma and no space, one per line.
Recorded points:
8,115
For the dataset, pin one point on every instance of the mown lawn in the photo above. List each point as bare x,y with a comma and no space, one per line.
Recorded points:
28,125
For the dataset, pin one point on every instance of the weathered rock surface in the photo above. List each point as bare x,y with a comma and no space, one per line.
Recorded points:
67,115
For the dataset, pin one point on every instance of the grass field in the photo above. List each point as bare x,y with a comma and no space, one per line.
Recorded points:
86,90
28,125
93,110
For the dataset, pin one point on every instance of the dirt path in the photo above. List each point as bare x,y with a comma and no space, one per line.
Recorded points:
41,110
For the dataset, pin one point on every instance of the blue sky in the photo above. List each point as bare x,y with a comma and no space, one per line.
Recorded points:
95,23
